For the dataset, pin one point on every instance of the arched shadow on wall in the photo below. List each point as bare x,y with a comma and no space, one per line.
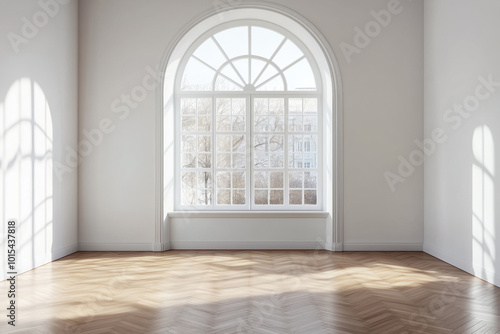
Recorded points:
26,179
483,203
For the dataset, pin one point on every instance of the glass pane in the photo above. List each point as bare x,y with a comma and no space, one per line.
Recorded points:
223,106
242,67
295,106
224,180
295,160
276,180
188,160
288,54
188,143
204,160
210,54
295,197
234,41
261,160
276,197
261,123
223,84
275,84
310,143
239,180
239,123
268,73
295,144
224,143
189,180
261,106
310,197
204,106
239,161
295,124
276,143
224,197
257,67
188,106
276,123
265,41
295,179
239,197
224,123
261,143
310,161
229,72
223,160
261,180
197,77
204,123
204,179
311,180
276,160
310,124
300,77
204,143
239,143
189,123
188,196
277,106
261,197
204,197
239,106
310,106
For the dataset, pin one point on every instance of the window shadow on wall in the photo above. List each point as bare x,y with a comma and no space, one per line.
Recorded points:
26,159
483,203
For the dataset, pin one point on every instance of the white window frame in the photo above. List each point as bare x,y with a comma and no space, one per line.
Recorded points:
249,96
332,120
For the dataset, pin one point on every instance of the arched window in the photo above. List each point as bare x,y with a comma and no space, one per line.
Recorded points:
250,121
247,102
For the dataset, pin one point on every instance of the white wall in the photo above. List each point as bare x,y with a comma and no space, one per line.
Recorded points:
235,231
462,190
38,120
382,111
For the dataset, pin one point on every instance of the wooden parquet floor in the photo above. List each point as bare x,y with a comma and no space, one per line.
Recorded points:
183,292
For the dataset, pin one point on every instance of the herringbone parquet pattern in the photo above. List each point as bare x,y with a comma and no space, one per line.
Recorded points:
184,292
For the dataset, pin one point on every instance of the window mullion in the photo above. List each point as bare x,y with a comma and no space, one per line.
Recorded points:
286,200
214,154
249,54
250,166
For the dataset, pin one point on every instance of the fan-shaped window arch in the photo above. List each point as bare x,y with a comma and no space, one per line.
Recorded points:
248,56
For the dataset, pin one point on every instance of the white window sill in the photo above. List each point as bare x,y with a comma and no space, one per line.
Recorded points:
247,214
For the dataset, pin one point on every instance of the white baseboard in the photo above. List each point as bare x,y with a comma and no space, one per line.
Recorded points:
334,246
222,245
382,247
64,251
488,276
44,258
115,247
